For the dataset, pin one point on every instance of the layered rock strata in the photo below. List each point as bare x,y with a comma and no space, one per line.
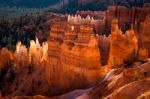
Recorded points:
125,17
123,47
76,51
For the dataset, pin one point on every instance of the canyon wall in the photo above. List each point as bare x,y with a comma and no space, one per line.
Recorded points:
77,50
74,53
124,15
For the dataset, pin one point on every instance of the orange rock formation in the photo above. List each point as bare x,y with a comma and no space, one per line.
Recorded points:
72,51
35,55
122,46
6,58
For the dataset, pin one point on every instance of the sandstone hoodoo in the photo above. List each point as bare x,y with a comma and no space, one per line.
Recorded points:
88,55
123,47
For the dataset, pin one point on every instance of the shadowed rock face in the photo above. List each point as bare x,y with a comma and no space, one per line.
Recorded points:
146,34
124,15
104,47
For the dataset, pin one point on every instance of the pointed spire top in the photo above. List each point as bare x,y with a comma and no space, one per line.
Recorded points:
132,27
37,42
72,28
115,21
115,24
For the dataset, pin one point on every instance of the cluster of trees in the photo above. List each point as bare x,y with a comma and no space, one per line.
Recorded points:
28,3
9,12
74,5
14,8
22,29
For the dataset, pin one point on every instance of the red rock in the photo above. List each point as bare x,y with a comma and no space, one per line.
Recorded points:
124,93
121,46
6,57
146,34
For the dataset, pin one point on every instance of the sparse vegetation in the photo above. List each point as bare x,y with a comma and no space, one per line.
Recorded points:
137,76
132,57
113,62
22,29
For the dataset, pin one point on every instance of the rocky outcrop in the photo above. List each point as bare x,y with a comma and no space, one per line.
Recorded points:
58,30
34,55
6,58
121,83
136,88
22,53
104,47
123,47
88,20
69,57
124,15
27,69
143,53
79,53
78,41
84,55
145,35
144,95
127,15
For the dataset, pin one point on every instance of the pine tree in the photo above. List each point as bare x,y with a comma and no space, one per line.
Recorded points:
113,62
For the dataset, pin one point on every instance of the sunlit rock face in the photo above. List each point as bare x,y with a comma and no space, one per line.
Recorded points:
29,63
134,87
96,23
95,14
122,83
123,47
84,51
77,19
73,59
58,29
21,55
34,56
145,95
145,35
